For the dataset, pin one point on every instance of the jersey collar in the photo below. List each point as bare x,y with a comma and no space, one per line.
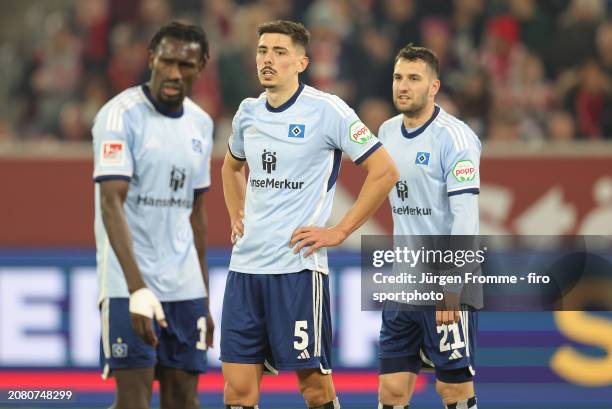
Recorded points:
289,102
159,107
420,130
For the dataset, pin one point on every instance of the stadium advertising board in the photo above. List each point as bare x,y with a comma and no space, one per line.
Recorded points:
49,319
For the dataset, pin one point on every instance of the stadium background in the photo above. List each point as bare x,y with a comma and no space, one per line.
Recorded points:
533,79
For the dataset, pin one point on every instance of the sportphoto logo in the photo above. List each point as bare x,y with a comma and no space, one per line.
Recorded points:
359,133
464,171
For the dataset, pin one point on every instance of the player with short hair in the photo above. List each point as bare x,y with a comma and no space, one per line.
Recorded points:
276,304
152,149
438,158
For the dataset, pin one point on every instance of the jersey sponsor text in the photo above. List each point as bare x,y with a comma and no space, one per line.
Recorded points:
272,183
411,211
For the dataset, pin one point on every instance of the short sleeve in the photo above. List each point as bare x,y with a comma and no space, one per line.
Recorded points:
202,180
381,133
236,139
348,133
461,160
112,141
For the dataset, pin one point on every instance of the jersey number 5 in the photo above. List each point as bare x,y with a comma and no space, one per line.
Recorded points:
301,334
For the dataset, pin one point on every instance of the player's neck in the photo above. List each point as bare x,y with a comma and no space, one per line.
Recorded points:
411,122
160,105
277,96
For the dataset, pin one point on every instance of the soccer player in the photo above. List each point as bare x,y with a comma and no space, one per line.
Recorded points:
438,158
152,148
276,303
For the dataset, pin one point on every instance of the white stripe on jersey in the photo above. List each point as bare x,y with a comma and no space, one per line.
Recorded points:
105,328
106,347
425,359
134,100
343,106
456,130
315,283
314,309
116,105
268,367
118,108
333,100
320,315
328,100
120,105
448,119
318,306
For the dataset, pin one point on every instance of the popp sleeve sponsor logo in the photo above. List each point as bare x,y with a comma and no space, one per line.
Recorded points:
360,133
464,171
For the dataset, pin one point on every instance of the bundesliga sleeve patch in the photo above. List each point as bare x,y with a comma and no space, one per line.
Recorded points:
113,153
359,133
464,171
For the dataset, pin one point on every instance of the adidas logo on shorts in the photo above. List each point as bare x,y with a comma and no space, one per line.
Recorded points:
455,355
304,355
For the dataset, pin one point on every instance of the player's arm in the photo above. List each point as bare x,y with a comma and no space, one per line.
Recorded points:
112,197
464,210
234,191
143,303
199,225
460,159
381,177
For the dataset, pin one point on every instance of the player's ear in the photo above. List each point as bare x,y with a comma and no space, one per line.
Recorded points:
201,66
151,59
202,62
303,63
435,87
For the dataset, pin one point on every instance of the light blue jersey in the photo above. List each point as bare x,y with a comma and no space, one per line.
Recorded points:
294,154
436,161
166,158
439,166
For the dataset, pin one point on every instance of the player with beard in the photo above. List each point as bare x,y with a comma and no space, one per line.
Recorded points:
438,158
152,150
276,311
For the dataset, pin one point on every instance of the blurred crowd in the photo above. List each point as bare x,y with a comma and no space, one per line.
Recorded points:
531,70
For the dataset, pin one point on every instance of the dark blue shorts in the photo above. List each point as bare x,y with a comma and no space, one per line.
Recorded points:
280,320
410,339
182,345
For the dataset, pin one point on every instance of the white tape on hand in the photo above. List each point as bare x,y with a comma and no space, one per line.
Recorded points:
144,302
